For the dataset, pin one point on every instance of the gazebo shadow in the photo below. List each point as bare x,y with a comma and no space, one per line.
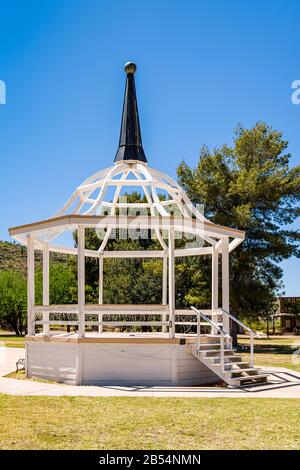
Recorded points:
277,382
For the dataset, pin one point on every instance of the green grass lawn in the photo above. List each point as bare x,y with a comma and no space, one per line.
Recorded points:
276,351
148,423
11,340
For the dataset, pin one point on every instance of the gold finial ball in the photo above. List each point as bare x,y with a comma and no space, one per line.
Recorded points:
130,67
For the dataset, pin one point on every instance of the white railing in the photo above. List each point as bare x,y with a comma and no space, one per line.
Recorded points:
215,327
115,316
252,333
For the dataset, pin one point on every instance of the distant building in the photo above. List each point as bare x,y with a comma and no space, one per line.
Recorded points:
289,304
289,314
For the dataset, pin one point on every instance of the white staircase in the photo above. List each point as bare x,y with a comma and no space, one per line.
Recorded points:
235,371
220,358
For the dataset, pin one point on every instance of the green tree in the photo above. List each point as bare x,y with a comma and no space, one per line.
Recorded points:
250,185
13,294
62,284
193,282
133,281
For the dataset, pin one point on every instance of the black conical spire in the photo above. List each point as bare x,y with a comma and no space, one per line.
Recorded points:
130,144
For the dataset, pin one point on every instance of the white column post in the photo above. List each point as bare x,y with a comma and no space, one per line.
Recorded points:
30,286
225,282
81,280
46,285
100,316
214,286
165,288
165,280
171,282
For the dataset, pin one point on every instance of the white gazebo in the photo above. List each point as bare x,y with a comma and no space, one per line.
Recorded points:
105,355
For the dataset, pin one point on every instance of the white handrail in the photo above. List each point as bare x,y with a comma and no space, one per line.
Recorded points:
208,320
223,334
246,327
243,325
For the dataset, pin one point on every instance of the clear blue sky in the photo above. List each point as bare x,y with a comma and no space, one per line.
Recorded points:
203,66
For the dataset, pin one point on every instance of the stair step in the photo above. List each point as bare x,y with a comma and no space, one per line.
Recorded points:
252,384
226,357
240,371
209,352
238,364
256,378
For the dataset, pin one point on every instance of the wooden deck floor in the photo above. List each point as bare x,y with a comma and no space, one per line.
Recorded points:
109,337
